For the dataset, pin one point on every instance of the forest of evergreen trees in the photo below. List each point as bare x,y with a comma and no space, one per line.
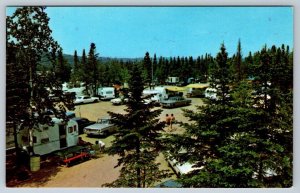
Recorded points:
243,139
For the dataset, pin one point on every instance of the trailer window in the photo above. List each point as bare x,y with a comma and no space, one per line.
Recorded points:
70,129
45,140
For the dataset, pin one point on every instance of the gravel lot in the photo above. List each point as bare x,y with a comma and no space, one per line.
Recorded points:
96,172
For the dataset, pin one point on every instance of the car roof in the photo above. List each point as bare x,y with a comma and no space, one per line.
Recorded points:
78,118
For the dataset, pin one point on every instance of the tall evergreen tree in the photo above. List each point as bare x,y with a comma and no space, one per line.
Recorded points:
238,143
148,67
77,69
63,70
154,66
91,69
83,66
209,140
138,139
238,63
28,39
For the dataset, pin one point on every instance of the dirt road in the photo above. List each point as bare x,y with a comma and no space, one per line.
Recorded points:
96,172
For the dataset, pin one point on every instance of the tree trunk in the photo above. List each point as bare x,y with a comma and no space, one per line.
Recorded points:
138,171
18,162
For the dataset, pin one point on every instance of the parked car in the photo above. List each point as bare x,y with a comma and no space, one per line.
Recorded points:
183,167
175,101
86,99
179,168
82,123
102,127
119,101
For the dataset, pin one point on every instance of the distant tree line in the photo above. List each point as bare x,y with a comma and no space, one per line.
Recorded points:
244,138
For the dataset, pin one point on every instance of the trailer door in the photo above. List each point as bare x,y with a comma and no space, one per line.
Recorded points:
62,136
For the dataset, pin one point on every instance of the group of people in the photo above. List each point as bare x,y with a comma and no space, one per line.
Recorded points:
170,119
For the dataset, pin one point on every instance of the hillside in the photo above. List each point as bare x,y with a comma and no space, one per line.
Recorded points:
70,59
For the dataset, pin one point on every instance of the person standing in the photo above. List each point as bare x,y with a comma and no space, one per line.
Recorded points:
101,145
168,120
172,120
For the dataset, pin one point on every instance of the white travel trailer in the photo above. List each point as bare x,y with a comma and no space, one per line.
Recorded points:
172,80
161,93
79,91
164,92
46,139
210,93
155,95
106,93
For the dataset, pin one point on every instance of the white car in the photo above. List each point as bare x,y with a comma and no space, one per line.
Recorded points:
118,101
183,168
86,99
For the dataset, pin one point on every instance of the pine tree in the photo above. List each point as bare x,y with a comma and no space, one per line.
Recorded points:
216,141
90,68
148,67
244,141
77,69
138,139
154,67
63,69
28,40
238,63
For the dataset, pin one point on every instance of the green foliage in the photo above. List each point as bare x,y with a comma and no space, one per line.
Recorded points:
29,40
138,139
244,140
63,69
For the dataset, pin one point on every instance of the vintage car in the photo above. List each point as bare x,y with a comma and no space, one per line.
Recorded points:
175,101
82,123
102,127
119,101
181,168
85,99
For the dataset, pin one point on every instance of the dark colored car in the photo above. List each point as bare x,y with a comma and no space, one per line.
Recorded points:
82,123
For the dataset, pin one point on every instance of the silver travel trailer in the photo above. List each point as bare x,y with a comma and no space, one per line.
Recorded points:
46,139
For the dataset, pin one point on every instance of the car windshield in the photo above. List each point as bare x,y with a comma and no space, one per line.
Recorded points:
104,121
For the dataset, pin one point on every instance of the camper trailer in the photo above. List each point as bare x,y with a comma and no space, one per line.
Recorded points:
172,80
106,93
197,90
46,139
161,93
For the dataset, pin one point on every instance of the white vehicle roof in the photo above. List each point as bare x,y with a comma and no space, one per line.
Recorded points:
211,89
150,92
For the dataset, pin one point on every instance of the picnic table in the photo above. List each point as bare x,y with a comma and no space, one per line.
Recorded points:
75,153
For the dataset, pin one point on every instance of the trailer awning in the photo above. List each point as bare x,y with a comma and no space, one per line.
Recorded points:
176,88
198,85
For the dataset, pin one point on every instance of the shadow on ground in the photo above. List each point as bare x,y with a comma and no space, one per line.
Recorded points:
22,176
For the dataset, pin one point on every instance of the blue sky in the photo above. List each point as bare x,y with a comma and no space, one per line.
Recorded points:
169,31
